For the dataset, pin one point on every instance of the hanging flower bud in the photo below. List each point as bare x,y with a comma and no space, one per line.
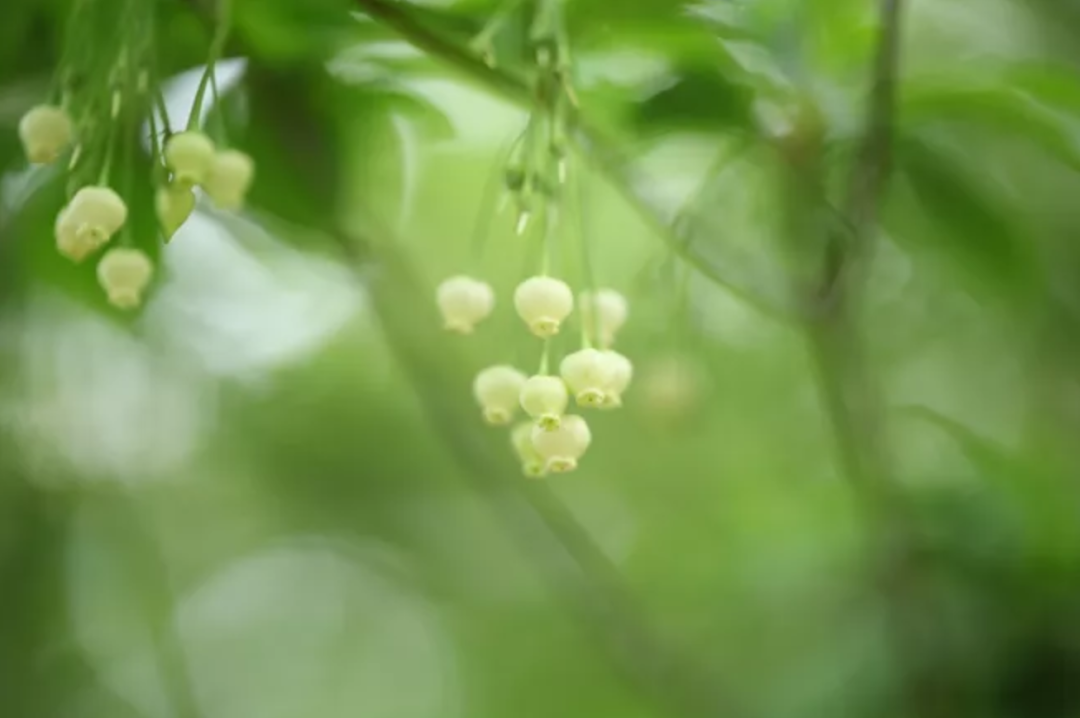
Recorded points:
543,303
45,131
544,398
531,461
673,389
497,390
621,371
190,156
67,239
611,311
174,203
562,448
230,177
588,374
124,274
464,302
92,217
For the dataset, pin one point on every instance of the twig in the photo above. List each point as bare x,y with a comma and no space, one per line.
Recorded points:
851,396
874,161
594,148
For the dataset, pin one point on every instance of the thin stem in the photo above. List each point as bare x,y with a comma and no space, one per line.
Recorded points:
495,184
110,143
159,101
155,151
129,157
482,42
217,45
545,357
550,231
577,194
872,166
220,138
595,148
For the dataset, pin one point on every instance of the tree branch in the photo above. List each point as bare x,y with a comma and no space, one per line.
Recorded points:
873,162
594,148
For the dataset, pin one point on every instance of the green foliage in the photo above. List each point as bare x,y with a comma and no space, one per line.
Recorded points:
863,505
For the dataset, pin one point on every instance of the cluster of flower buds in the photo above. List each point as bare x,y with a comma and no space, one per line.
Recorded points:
96,213
225,176
551,440
93,216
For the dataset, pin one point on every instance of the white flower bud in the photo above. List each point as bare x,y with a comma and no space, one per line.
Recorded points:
45,131
124,274
621,371
92,217
67,239
611,311
174,203
588,374
463,302
531,462
543,303
497,390
544,398
562,448
190,156
229,179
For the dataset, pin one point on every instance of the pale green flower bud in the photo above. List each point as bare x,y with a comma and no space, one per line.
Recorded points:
45,131
92,217
563,447
531,462
464,302
543,303
588,374
497,390
174,203
189,155
621,371
230,177
603,314
544,398
124,274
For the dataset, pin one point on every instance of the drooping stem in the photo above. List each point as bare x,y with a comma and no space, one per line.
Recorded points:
576,192
594,147
217,45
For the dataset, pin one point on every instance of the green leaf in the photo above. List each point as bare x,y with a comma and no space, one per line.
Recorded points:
698,99
295,140
970,225
286,32
1031,102
431,121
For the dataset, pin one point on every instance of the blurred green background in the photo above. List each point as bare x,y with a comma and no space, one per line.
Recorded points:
269,494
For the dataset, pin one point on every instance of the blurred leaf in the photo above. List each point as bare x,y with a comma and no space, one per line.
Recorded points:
1032,102
974,228
281,32
296,140
698,99
433,124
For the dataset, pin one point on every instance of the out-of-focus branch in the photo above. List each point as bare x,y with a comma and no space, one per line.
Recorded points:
575,569
872,166
594,148
849,393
